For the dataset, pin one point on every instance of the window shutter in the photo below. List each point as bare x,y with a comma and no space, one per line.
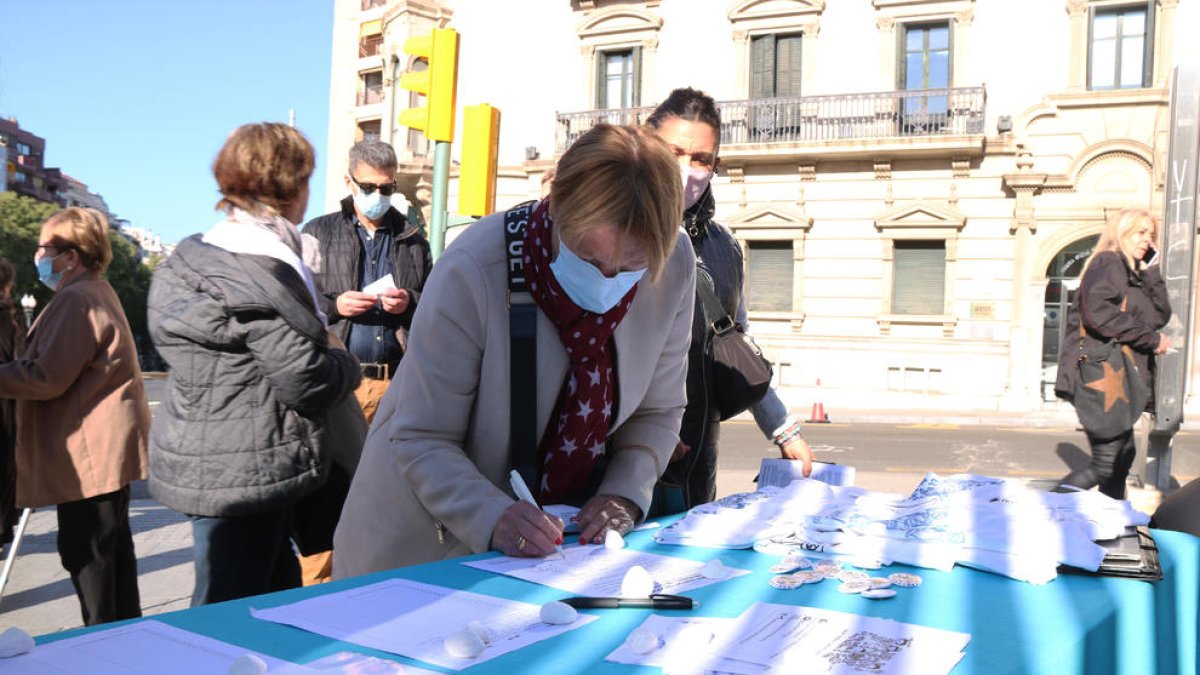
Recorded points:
769,280
762,67
919,277
636,96
601,79
787,65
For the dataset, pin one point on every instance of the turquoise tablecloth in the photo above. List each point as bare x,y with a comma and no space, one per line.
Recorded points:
1075,624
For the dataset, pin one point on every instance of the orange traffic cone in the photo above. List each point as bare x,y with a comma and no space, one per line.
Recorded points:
818,415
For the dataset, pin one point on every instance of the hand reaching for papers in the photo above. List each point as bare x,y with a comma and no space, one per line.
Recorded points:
394,300
797,448
524,530
606,512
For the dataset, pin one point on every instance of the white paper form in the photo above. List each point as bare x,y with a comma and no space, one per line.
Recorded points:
684,643
143,648
413,619
353,663
380,285
792,639
779,472
599,571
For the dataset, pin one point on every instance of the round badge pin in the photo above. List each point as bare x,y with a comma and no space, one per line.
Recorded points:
785,582
879,593
784,567
852,587
852,575
799,561
905,579
879,582
809,577
867,564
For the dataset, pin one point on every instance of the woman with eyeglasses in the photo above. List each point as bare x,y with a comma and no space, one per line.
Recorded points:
243,431
611,280
82,415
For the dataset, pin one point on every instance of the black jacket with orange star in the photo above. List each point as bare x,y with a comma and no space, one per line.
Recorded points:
1116,303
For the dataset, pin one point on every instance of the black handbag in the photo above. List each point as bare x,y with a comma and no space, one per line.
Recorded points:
740,375
1109,393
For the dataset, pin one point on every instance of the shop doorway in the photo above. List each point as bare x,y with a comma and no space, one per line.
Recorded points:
1063,280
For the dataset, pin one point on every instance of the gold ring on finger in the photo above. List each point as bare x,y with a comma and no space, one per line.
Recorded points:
521,541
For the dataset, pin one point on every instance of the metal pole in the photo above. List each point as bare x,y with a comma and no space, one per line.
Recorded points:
441,180
12,548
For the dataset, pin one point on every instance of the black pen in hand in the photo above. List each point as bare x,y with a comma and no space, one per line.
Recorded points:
657,601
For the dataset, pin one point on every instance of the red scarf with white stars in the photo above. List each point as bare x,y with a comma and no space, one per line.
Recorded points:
580,423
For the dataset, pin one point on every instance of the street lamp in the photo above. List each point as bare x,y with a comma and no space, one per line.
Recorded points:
28,302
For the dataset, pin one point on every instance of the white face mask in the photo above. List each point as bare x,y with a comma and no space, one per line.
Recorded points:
694,182
586,285
373,205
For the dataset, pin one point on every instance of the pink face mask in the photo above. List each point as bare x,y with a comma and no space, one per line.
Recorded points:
694,182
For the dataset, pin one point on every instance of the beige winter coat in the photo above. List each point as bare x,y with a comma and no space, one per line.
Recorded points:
433,479
82,416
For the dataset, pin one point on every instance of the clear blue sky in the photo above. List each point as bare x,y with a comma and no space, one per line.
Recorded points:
135,97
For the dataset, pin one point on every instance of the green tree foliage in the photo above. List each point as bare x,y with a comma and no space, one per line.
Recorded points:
21,221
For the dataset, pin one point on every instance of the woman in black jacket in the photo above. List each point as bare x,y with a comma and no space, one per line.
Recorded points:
1121,297
241,435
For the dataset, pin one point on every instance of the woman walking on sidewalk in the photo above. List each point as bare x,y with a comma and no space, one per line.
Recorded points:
82,416
1122,298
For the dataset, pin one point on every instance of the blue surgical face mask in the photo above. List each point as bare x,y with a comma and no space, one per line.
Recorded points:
46,274
586,285
373,205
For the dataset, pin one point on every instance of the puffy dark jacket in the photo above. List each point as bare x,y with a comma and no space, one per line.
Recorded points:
251,377
342,258
1120,304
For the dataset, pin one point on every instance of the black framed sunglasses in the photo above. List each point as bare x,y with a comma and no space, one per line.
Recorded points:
385,189
58,249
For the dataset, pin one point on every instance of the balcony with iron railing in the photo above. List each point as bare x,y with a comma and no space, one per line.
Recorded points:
370,95
370,46
820,121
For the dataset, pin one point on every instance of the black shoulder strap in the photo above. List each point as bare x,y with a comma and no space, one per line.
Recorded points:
718,318
522,324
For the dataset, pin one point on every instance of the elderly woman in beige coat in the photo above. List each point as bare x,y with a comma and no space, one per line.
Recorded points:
82,417
613,281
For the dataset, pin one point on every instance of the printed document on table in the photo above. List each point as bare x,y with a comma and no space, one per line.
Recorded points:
599,571
414,619
779,472
683,645
380,285
142,648
791,639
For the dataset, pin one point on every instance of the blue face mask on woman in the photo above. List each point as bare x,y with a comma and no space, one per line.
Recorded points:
586,285
46,274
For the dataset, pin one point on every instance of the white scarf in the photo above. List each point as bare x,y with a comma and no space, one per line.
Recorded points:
243,232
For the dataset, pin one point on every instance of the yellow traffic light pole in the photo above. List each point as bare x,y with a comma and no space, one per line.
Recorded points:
439,84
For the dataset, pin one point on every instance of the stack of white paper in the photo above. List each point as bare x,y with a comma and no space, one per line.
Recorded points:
994,524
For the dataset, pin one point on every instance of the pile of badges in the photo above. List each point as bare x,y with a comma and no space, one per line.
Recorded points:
795,571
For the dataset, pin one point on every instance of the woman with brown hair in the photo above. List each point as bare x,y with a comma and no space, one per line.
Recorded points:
82,416
241,432
1121,297
612,280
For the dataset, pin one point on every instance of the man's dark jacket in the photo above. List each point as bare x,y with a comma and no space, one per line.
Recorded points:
341,262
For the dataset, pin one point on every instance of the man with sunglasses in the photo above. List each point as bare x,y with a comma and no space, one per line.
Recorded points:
360,246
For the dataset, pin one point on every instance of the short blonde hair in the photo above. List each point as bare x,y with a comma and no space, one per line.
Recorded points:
84,231
1119,224
625,176
263,167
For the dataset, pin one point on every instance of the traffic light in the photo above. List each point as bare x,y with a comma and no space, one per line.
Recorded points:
477,174
438,83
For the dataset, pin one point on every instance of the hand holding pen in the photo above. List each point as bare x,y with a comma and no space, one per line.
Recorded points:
524,529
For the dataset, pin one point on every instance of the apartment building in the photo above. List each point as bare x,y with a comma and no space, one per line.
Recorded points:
915,183
24,166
